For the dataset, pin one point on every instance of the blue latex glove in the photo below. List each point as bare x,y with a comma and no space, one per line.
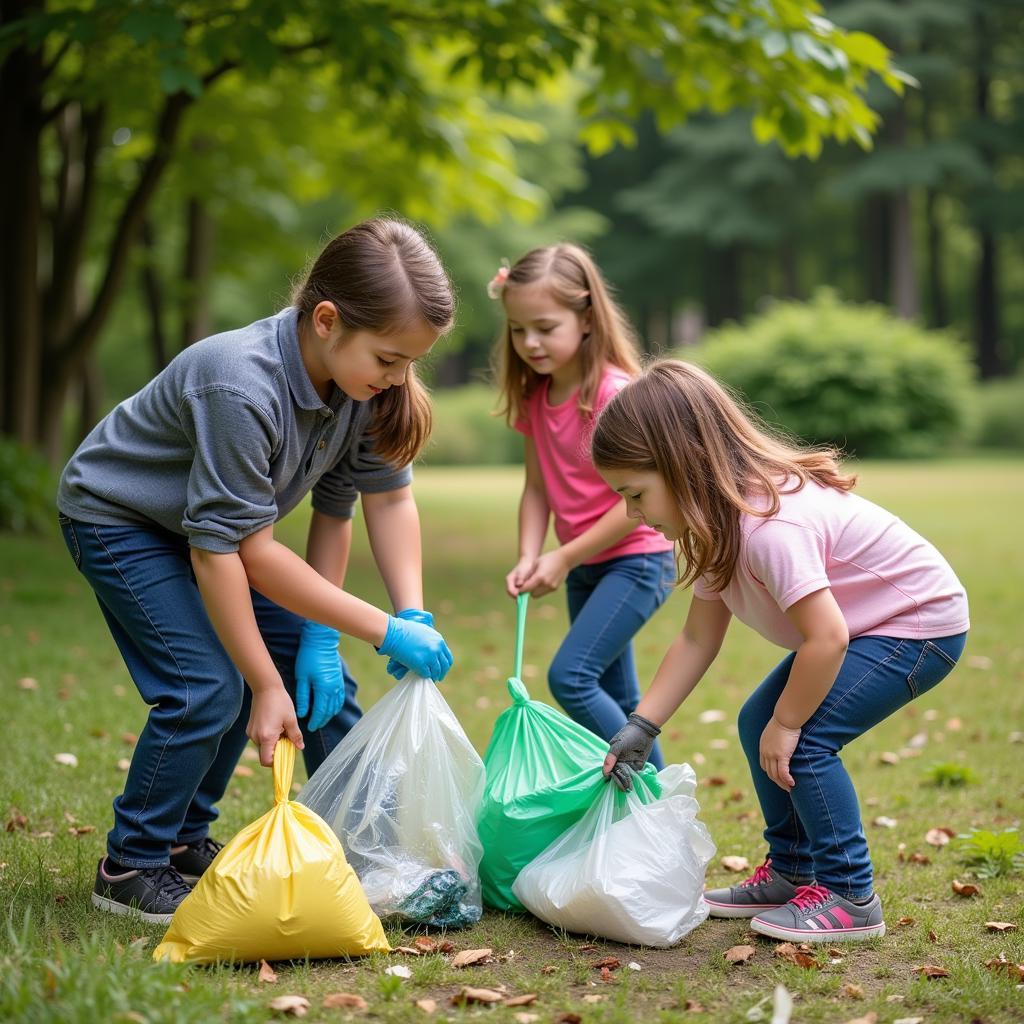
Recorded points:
318,667
418,647
396,668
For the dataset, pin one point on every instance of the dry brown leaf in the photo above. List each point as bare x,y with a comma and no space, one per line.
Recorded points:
468,957
348,1000
932,937
467,995
69,760
16,820
909,1020
407,950
852,991
789,952
732,863
716,780
526,1018
81,830
267,974
869,1018
613,963
606,975
568,1018
965,889
889,757
294,1006
920,858
693,1006
931,971
28,683
425,944
426,1005
588,948
594,998
550,969
129,738
1000,926
884,821
243,771
1015,972
903,922
524,1000
738,954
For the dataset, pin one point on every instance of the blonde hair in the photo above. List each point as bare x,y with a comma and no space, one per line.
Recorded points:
576,283
714,456
381,276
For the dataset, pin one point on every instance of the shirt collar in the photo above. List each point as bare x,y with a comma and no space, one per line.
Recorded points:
299,384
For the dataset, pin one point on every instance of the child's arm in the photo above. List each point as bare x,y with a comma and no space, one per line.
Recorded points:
551,568
534,516
393,526
682,668
815,667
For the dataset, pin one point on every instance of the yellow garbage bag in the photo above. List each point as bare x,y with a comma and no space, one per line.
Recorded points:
280,890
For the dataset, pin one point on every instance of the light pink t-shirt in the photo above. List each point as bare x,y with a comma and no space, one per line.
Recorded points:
886,579
576,493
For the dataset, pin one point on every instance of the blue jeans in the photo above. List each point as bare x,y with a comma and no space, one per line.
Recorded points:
199,705
815,831
593,675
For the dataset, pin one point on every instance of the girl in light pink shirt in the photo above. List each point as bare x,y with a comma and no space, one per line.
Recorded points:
565,351
873,615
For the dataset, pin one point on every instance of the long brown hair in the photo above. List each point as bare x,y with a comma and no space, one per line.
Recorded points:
714,456
575,283
381,276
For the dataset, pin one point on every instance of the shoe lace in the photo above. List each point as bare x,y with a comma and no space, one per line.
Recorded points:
170,884
809,896
761,875
209,846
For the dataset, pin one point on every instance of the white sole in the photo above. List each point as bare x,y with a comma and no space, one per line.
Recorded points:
730,911
874,931
109,906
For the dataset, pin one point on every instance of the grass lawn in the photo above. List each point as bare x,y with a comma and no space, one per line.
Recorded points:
65,690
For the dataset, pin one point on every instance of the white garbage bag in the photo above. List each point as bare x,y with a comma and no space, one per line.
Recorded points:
402,792
626,871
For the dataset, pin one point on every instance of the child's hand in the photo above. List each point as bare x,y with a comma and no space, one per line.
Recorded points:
777,746
272,716
519,575
548,574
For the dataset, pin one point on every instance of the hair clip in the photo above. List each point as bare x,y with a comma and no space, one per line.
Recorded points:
496,285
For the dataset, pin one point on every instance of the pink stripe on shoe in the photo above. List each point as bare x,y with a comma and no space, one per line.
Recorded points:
841,916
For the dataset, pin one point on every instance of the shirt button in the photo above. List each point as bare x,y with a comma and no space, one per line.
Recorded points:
320,445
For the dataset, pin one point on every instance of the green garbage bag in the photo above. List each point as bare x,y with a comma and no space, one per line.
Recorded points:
543,773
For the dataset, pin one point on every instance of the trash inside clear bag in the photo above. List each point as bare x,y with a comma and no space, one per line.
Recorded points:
628,870
402,792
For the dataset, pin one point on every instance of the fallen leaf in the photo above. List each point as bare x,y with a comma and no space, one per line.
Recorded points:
732,863
426,1005
81,830
789,952
693,1006
407,950
606,975
550,969
889,757
1000,926
716,780
954,724
294,1006
714,715
568,1018
738,954
398,971
525,1000
129,738
613,963
918,740
965,889
908,1020
903,922
16,820
593,998
895,998
634,966
243,771
883,821
937,837
589,948
920,858
852,991
28,683
425,944
869,1018
345,999
526,1018
66,759
467,995
931,971
468,957
123,764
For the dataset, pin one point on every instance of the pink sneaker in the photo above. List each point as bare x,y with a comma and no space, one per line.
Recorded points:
765,889
815,914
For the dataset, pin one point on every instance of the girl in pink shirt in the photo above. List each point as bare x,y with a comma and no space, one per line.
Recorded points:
770,533
565,351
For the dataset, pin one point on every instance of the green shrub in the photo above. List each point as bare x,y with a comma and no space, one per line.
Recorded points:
853,376
26,489
999,414
466,433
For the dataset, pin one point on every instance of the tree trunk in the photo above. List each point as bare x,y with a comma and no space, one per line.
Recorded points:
197,272
21,126
153,296
905,297
938,299
876,249
722,292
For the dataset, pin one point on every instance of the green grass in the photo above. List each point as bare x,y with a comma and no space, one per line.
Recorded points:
60,961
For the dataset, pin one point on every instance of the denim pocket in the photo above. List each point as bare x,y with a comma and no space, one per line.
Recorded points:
933,665
67,528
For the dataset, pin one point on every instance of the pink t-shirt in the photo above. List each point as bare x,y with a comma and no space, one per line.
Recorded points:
576,493
886,579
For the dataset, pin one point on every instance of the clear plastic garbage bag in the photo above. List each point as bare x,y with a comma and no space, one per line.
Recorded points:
628,870
279,890
401,792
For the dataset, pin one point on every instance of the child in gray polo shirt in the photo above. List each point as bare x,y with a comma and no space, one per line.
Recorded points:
168,509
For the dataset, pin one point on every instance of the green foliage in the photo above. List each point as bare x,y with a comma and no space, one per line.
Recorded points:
991,854
26,489
466,433
949,773
852,376
999,414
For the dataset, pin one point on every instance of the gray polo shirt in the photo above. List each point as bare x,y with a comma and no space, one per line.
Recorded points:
225,441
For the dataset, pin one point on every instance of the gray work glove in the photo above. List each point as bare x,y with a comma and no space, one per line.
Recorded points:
631,746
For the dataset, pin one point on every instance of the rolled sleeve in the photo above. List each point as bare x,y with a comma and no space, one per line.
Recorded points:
788,560
360,471
230,494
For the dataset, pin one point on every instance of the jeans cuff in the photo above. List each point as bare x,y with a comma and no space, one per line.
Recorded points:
138,864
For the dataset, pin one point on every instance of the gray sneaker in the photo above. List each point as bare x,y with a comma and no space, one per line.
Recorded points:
765,889
815,914
152,893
